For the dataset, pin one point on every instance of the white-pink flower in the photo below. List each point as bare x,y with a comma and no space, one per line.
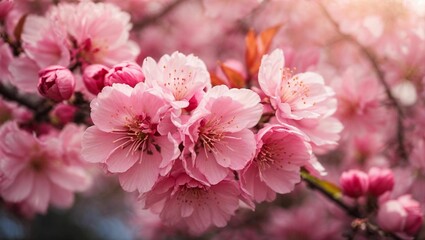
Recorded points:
99,32
181,77
125,135
299,96
281,151
217,136
35,172
179,198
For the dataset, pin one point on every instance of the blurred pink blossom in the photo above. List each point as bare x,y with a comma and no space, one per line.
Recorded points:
34,171
401,215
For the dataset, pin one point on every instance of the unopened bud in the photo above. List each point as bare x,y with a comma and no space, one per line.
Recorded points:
129,73
354,183
56,83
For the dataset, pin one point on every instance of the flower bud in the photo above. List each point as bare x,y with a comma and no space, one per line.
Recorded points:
94,77
5,7
414,214
354,183
56,83
380,181
400,215
127,72
63,113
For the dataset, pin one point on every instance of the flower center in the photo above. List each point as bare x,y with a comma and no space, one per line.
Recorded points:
37,163
136,135
292,88
265,158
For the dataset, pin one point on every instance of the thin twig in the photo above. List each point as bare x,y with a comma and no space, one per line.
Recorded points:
157,16
371,58
40,107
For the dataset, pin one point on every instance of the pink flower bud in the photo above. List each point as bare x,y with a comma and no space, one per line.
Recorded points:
127,72
94,77
5,7
400,215
414,214
354,183
56,83
63,113
380,181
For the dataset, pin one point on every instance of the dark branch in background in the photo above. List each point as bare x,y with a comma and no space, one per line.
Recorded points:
148,20
371,58
40,107
360,221
243,24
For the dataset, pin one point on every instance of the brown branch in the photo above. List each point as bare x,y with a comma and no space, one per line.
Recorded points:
372,59
40,107
146,21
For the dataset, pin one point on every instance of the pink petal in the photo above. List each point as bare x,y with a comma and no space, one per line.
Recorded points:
270,73
169,149
209,167
69,178
236,149
121,160
61,197
142,175
111,108
20,188
280,180
148,102
97,145
186,209
40,194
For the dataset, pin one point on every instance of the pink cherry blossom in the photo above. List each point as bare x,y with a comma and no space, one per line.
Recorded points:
303,95
217,138
181,77
34,171
125,135
360,99
281,151
401,215
180,198
100,31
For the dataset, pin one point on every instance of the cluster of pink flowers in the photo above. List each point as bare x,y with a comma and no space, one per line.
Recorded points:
158,96
193,150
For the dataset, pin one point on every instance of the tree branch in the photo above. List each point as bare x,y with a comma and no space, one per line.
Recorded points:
40,107
372,59
155,17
